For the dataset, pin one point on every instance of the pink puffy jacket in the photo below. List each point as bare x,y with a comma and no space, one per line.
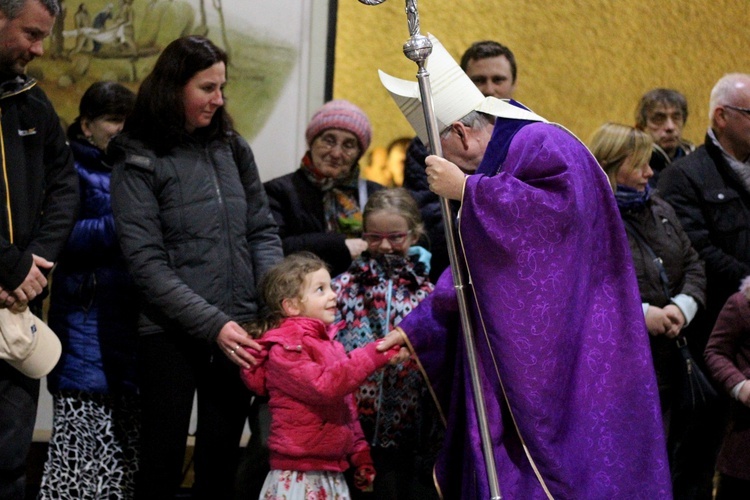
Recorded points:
309,379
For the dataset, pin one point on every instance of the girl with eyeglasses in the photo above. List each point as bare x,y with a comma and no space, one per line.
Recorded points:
381,287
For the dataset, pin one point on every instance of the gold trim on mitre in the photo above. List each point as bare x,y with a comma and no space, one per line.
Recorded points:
454,95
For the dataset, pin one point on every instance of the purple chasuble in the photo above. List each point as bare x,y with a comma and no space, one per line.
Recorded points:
559,331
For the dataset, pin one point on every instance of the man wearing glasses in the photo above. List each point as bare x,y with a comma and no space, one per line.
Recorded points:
710,191
662,114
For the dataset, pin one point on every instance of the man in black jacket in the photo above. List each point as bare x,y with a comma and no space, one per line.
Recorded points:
39,194
710,191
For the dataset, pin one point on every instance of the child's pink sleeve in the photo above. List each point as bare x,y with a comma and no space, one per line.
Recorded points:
369,351
255,376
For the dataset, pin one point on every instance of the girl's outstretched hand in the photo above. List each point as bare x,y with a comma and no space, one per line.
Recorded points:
395,339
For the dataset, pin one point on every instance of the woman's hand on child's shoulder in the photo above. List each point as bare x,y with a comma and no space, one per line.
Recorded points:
233,340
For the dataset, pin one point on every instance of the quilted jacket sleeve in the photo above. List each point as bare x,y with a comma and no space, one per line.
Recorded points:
311,379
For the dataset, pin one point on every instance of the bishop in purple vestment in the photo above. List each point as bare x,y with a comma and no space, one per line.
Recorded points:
563,350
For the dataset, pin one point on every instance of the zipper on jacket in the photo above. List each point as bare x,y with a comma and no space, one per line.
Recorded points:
225,225
387,328
7,185
30,83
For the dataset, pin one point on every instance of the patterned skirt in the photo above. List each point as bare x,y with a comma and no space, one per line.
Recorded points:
310,485
93,447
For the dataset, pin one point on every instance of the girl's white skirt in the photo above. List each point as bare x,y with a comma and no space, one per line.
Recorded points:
310,485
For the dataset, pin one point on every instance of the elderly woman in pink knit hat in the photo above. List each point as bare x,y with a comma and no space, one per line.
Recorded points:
319,206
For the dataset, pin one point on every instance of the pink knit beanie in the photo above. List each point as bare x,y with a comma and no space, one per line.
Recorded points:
342,115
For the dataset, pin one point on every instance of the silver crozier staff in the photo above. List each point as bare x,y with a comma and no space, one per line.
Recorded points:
417,49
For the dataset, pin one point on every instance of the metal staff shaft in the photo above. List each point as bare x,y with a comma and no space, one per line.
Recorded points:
417,49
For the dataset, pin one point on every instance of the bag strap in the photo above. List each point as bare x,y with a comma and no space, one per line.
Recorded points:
655,259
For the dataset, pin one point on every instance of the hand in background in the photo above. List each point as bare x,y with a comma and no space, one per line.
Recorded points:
356,246
676,318
364,476
34,282
657,321
231,339
744,395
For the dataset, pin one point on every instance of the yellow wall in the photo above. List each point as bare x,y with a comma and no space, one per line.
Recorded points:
581,62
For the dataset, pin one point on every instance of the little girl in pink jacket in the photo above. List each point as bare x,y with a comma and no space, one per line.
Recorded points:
315,433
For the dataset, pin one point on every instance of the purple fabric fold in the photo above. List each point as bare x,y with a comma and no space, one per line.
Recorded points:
557,318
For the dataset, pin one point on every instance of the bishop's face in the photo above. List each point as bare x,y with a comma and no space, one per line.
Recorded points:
465,146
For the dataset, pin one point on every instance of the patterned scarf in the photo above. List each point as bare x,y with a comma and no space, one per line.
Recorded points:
340,199
631,199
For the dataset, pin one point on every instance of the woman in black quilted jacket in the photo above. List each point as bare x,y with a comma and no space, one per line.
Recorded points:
197,234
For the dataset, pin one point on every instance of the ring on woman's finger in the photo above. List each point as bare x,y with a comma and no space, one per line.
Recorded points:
237,346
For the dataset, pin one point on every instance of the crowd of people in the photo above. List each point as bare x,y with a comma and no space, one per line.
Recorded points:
323,298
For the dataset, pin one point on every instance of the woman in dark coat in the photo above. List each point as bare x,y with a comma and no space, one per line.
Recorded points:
195,228
319,206
672,289
92,450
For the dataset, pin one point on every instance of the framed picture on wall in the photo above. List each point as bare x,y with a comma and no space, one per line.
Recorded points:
278,52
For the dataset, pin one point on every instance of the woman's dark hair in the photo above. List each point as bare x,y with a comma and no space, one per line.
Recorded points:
101,99
159,115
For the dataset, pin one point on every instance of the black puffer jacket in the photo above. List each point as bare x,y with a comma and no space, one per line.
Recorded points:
196,231
714,208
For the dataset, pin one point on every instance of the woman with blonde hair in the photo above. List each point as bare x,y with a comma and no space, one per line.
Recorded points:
671,276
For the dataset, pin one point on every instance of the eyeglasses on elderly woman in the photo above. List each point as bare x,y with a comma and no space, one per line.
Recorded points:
328,142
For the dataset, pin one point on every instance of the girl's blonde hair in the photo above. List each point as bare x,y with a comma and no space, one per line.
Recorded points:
397,200
613,143
283,281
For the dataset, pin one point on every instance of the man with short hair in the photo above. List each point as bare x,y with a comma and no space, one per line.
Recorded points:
39,190
563,354
662,113
492,68
710,192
